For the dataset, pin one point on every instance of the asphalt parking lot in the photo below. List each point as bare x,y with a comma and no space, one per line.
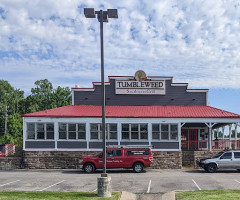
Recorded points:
151,181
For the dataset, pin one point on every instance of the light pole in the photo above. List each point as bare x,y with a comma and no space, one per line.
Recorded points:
102,17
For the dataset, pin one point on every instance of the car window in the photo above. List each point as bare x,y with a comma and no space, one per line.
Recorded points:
226,156
236,154
109,153
117,153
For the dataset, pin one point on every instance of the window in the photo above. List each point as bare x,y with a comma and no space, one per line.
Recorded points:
40,131
111,153
134,131
164,131
237,155
72,131
226,156
96,131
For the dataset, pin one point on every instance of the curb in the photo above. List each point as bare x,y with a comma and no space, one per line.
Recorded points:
127,196
169,196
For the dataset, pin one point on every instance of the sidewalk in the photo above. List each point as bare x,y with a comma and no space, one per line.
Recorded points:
130,196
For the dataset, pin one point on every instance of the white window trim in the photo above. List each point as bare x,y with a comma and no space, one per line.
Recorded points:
169,133
67,131
139,133
35,131
99,133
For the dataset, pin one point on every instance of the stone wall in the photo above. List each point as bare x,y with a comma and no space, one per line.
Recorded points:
187,158
53,159
167,159
203,154
70,159
7,163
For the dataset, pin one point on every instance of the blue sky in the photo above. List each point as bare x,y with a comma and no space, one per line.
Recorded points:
193,41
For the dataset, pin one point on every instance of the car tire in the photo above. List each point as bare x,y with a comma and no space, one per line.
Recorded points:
89,168
138,167
211,168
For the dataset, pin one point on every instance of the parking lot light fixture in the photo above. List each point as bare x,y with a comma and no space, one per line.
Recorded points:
102,16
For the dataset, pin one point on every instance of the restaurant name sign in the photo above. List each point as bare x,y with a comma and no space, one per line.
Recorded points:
143,87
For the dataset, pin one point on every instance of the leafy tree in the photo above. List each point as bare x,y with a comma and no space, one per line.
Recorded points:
14,131
44,97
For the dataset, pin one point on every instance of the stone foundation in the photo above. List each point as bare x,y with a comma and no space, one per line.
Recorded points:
54,159
70,159
167,159
8,163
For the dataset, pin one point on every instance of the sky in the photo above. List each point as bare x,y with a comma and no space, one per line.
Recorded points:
196,42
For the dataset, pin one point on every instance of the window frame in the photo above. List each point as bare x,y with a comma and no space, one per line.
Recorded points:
36,131
160,132
76,131
99,131
130,132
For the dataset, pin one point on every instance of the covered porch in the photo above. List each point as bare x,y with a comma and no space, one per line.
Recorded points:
210,136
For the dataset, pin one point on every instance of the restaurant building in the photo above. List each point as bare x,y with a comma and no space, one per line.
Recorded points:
140,110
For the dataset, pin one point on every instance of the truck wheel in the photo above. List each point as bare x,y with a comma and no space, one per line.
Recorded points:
138,167
89,168
211,168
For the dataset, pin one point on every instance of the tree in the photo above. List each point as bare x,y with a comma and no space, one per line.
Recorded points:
14,131
10,99
44,97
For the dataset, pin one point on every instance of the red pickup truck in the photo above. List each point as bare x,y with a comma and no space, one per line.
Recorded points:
119,157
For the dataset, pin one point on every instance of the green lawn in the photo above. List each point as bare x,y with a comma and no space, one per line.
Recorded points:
6,195
209,195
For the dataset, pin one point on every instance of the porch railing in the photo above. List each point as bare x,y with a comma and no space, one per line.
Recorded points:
221,144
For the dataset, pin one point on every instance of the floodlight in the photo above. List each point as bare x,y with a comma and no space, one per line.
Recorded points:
89,13
112,13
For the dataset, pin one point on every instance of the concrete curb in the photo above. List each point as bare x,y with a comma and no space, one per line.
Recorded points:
169,196
128,196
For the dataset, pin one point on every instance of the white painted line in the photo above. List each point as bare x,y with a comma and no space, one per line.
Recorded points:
149,186
196,184
9,183
237,181
51,186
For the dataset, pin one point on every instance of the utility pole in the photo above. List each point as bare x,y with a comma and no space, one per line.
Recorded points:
6,117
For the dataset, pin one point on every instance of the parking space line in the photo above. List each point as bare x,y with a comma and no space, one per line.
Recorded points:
196,184
237,181
149,186
9,183
51,186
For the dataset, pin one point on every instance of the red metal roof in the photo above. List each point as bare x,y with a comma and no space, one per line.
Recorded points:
84,111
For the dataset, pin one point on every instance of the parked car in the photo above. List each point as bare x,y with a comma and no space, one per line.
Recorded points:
2,154
119,157
224,160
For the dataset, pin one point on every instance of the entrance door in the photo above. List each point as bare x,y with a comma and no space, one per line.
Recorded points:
189,139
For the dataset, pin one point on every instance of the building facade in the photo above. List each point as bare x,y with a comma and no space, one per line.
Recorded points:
140,110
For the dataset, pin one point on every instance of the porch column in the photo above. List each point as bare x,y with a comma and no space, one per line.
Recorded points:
236,125
230,135
223,132
210,125
217,132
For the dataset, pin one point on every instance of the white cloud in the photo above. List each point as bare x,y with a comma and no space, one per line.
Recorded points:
194,41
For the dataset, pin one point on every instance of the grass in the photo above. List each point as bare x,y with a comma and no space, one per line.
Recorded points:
209,195
10,195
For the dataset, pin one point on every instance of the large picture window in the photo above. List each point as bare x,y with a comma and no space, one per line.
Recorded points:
72,131
96,131
134,131
164,131
40,131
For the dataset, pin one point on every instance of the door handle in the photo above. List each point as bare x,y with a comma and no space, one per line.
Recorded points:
112,158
